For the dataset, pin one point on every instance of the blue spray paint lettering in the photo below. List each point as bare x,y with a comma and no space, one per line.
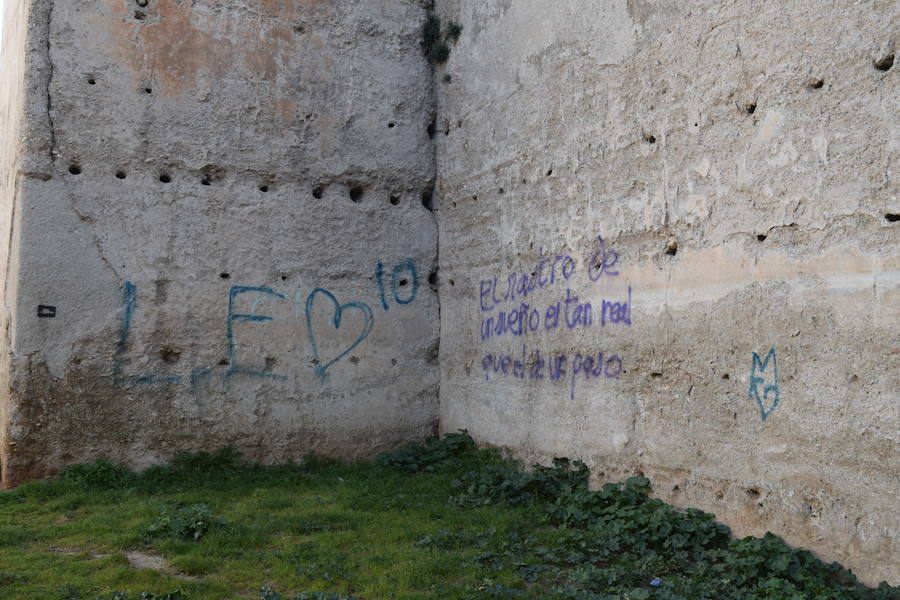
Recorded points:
764,384
396,281
234,368
129,304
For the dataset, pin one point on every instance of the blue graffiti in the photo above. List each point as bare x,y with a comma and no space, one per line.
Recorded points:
402,274
379,279
339,309
237,290
129,304
406,265
398,281
758,377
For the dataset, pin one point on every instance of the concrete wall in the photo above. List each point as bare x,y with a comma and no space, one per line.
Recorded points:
669,245
221,234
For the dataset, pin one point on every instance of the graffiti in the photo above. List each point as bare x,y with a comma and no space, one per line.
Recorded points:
398,281
251,317
249,304
533,365
546,273
764,384
569,312
566,312
507,310
129,303
321,366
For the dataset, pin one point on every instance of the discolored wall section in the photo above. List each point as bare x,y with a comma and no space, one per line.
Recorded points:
669,245
221,233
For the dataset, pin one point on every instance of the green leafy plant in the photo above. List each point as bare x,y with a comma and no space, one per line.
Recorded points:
436,520
176,595
185,522
430,456
267,593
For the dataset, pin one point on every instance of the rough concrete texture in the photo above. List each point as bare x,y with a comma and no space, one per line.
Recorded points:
734,336
220,231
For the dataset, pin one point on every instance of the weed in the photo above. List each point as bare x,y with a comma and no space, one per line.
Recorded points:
185,522
176,595
436,520
267,593
434,454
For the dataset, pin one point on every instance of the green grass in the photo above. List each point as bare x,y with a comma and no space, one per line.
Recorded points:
440,520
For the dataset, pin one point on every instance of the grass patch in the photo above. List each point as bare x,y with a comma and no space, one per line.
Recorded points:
437,520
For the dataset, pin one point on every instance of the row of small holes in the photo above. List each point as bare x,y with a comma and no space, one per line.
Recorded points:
356,192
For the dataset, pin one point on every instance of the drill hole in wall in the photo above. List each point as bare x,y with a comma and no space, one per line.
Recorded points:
395,200
650,139
225,275
549,171
885,63
428,200
357,192
750,108
120,175
165,178
672,248
139,15
403,282
148,90
432,127
761,237
892,217
816,83
74,169
170,355
317,192
205,181
501,191
433,278
263,188
91,81
391,125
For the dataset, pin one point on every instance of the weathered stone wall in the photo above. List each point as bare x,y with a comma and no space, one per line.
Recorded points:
221,234
669,245
12,74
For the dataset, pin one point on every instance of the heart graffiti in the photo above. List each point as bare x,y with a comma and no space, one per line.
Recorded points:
369,322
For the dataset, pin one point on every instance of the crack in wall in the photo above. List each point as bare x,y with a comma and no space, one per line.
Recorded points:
49,95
